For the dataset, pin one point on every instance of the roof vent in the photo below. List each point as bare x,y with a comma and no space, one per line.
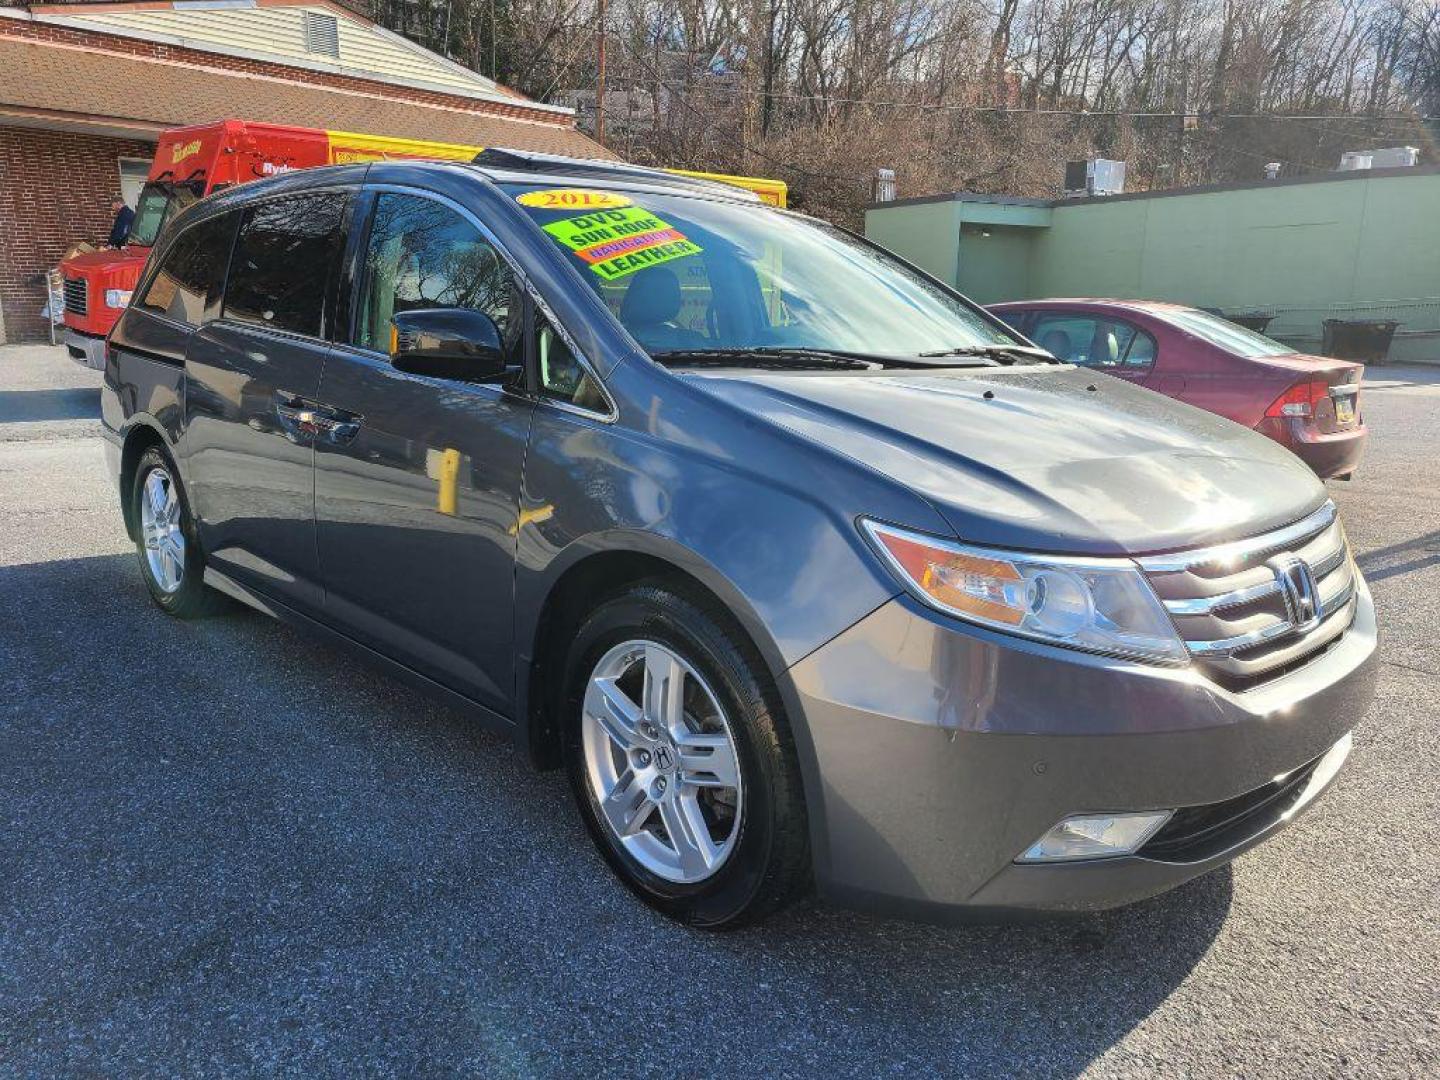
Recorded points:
322,33
1395,157
1097,176
882,188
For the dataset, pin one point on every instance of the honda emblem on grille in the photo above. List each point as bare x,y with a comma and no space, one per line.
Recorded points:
1297,586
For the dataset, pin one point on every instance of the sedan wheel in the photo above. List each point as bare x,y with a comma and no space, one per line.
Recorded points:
661,762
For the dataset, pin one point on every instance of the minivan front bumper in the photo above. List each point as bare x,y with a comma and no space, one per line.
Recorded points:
936,754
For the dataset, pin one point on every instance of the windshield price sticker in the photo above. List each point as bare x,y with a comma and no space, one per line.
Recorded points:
618,242
573,199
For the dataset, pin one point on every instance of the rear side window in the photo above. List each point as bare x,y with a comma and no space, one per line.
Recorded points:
284,260
193,271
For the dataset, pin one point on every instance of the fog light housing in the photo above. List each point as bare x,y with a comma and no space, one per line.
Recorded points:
1095,836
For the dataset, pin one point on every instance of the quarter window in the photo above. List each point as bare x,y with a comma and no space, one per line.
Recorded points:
422,254
562,376
1095,341
284,259
194,268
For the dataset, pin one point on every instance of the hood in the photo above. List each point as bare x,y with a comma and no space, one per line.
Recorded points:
109,263
1058,460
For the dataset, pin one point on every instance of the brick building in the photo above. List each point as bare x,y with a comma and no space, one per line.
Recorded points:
88,87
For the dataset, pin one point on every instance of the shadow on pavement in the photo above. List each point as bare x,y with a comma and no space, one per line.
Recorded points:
229,849
27,406
1379,563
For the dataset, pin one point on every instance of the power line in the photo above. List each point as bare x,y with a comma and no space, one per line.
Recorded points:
1021,111
710,126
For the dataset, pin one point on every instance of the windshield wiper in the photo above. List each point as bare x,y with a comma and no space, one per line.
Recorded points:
1001,354
778,357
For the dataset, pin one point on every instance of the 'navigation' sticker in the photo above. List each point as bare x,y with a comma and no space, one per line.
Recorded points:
618,242
572,199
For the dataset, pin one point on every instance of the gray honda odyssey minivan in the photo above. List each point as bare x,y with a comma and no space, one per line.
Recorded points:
810,572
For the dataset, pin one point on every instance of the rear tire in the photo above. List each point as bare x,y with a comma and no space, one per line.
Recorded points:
732,791
166,542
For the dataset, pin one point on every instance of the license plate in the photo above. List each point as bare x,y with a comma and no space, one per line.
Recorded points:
1345,409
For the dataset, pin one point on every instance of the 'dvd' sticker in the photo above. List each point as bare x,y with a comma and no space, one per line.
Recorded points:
617,242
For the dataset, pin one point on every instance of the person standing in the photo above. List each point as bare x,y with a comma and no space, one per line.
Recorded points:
124,216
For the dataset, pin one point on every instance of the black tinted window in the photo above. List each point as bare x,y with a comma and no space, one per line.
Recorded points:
193,270
283,262
422,254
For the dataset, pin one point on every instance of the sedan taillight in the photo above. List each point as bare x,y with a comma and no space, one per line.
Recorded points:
1300,400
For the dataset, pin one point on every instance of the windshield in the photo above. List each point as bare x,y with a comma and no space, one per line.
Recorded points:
1224,333
158,203
688,274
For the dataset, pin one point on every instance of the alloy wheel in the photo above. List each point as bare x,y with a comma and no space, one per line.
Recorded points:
160,530
661,762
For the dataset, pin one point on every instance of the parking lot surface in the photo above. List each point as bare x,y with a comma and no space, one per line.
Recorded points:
227,849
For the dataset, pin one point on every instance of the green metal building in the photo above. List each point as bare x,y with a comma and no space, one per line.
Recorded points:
1352,245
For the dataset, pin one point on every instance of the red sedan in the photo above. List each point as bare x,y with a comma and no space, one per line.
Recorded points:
1309,404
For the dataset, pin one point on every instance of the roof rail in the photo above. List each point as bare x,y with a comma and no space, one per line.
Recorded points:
499,157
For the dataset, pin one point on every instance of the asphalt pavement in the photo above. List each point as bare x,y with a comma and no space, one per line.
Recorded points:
226,850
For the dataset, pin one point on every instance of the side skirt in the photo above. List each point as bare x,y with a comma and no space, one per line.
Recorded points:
491,719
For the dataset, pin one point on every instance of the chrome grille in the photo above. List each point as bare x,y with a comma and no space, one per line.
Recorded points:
77,301
1234,610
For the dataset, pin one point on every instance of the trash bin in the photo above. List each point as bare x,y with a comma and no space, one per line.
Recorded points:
1366,340
1252,320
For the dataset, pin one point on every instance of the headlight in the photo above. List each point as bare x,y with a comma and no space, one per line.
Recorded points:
1099,605
118,298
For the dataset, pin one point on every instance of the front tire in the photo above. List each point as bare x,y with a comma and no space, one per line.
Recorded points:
681,760
165,539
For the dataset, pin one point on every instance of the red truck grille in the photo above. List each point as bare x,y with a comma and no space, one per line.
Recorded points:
77,297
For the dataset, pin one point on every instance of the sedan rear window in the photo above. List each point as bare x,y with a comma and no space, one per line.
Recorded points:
1223,333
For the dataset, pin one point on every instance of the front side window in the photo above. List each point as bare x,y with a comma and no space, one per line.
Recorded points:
1094,341
422,254
685,273
158,203
190,277
1015,319
284,260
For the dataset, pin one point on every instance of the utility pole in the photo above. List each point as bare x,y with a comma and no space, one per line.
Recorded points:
600,77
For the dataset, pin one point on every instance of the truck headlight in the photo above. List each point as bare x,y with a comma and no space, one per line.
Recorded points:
118,298
1098,605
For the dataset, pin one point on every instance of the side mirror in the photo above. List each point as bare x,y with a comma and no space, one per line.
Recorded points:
447,343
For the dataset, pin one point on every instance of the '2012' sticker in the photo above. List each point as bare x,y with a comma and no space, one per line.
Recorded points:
614,243
573,199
